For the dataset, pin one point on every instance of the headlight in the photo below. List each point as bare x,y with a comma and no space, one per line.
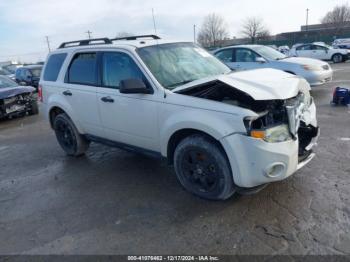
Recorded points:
272,135
311,68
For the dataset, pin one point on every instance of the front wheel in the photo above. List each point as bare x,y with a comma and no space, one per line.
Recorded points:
337,58
73,143
203,169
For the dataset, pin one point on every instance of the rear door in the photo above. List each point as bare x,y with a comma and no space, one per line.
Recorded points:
226,56
127,118
80,91
304,51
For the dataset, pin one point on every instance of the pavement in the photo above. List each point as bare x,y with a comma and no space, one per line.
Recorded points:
116,202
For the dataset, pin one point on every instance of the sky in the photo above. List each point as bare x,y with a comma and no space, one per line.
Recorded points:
25,23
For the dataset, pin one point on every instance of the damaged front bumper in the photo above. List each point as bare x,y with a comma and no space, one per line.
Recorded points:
255,162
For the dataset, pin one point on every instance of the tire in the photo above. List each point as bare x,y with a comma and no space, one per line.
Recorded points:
73,143
337,58
34,108
203,169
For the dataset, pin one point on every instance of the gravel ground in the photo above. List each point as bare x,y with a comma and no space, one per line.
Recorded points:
115,202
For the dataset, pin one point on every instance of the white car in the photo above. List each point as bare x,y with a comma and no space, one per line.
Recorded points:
223,132
247,57
321,52
342,43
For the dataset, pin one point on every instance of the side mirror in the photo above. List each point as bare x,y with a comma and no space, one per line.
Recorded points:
260,60
134,86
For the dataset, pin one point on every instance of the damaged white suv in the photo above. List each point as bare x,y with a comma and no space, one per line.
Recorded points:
223,132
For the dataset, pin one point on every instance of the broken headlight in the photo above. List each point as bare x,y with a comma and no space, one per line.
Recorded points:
273,134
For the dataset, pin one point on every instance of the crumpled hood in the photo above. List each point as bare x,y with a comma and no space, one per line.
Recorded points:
14,91
260,84
304,61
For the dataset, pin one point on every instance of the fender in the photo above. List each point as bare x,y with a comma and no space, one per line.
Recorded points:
56,100
215,124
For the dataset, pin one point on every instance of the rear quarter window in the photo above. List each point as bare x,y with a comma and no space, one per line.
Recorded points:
53,66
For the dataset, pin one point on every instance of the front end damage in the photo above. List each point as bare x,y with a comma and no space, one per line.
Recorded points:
279,139
17,105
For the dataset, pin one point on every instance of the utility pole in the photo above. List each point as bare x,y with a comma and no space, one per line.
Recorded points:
307,19
89,33
154,23
48,43
194,33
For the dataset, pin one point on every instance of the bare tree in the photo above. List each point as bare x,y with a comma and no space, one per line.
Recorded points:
212,31
337,18
254,28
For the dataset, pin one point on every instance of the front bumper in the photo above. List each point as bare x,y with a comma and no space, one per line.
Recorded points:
255,162
316,78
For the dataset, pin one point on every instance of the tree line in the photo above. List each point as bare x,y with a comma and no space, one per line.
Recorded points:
214,28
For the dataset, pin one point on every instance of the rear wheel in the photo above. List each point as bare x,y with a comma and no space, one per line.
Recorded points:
337,58
203,169
73,143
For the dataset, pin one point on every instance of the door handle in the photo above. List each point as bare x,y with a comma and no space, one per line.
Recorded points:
67,93
107,99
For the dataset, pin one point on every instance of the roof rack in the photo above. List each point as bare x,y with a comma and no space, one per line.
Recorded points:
136,37
94,41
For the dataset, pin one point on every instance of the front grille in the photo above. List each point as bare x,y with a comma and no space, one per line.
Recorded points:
325,67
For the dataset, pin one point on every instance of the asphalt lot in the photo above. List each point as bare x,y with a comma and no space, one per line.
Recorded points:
115,202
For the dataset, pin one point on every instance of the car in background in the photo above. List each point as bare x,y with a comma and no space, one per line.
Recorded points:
284,49
247,57
341,43
29,75
6,72
16,100
321,52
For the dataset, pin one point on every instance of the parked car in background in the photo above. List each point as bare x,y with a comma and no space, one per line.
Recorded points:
284,49
224,132
6,72
322,52
247,57
16,100
341,43
29,75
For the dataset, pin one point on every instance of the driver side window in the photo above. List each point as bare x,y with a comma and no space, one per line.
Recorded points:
245,55
117,67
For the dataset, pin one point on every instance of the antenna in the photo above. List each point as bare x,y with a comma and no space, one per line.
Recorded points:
154,22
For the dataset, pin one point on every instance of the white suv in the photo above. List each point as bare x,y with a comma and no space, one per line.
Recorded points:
223,132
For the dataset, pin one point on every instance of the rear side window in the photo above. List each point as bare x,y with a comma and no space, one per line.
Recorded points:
82,69
225,55
53,67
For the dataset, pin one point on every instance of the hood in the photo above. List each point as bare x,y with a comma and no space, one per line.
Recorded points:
14,91
260,84
304,61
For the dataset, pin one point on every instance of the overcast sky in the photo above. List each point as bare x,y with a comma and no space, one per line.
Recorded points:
25,23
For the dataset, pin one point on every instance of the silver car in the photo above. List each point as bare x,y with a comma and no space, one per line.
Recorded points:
246,57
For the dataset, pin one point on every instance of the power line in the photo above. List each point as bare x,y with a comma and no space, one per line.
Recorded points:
89,33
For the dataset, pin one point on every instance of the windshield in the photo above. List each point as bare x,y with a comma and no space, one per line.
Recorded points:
269,53
5,82
180,63
3,71
36,72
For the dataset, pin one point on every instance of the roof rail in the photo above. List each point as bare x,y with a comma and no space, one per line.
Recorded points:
105,40
136,37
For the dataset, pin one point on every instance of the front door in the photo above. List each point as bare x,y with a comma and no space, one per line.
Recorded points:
127,118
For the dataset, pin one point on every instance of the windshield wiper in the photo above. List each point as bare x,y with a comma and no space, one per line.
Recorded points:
182,83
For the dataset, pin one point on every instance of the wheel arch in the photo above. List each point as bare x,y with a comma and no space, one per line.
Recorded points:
181,134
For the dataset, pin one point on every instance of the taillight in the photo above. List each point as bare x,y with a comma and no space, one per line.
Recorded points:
40,93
